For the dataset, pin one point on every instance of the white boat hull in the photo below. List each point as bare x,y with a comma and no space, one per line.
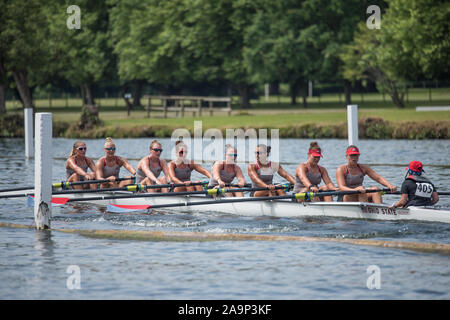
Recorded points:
287,208
275,208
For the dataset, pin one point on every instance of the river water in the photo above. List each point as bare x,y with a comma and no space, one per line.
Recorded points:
39,265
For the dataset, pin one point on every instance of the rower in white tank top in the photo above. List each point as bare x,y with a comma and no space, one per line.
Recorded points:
180,170
108,167
350,177
262,172
310,174
224,172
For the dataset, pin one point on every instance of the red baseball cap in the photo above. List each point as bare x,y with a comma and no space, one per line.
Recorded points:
316,152
415,166
352,150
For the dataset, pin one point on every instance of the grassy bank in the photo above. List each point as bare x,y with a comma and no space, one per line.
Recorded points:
329,125
325,117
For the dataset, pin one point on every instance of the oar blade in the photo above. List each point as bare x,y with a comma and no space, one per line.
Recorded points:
124,208
55,201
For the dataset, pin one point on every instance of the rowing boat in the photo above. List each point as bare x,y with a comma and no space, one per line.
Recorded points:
256,207
279,208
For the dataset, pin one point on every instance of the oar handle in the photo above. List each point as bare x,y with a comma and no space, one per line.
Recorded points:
66,184
338,193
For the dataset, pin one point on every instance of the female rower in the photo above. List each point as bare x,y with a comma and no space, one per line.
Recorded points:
309,175
350,177
180,169
108,167
261,173
77,166
224,172
416,190
150,168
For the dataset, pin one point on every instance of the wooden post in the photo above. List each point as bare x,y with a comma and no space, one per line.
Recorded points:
165,107
182,108
43,171
149,103
210,108
199,102
229,107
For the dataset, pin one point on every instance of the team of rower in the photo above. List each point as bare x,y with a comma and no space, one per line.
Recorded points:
416,190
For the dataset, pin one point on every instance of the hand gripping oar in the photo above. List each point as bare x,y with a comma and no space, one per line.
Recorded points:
132,188
209,192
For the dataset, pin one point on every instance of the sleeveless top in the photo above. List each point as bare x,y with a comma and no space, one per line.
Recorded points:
353,181
183,174
111,171
140,174
265,174
225,176
314,178
70,171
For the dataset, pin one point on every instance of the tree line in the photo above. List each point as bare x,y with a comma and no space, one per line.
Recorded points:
236,43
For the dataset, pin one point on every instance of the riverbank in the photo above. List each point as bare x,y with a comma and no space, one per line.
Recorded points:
369,127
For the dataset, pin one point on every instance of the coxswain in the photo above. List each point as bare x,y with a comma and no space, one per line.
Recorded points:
416,190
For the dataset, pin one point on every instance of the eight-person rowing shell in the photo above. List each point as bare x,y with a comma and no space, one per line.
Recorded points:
350,177
262,171
150,168
180,169
309,175
224,172
416,190
108,167
77,166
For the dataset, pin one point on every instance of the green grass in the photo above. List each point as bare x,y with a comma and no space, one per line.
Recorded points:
327,109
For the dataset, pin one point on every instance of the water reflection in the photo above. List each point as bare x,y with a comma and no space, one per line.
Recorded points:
44,244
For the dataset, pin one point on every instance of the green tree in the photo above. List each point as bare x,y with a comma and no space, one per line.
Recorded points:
364,59
83,55
412,44
24,44
415,39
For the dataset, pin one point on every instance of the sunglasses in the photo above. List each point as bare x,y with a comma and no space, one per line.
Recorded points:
110,149
81,148
157,150
258,153
232,154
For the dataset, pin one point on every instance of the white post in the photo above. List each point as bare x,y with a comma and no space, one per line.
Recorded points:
310,89
352,122
43,171
28,124
266,91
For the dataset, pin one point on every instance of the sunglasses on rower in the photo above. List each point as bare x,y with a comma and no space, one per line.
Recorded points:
111,149
157,150
81,148
232,154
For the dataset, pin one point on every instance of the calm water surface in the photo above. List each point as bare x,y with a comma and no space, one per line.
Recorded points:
33,265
